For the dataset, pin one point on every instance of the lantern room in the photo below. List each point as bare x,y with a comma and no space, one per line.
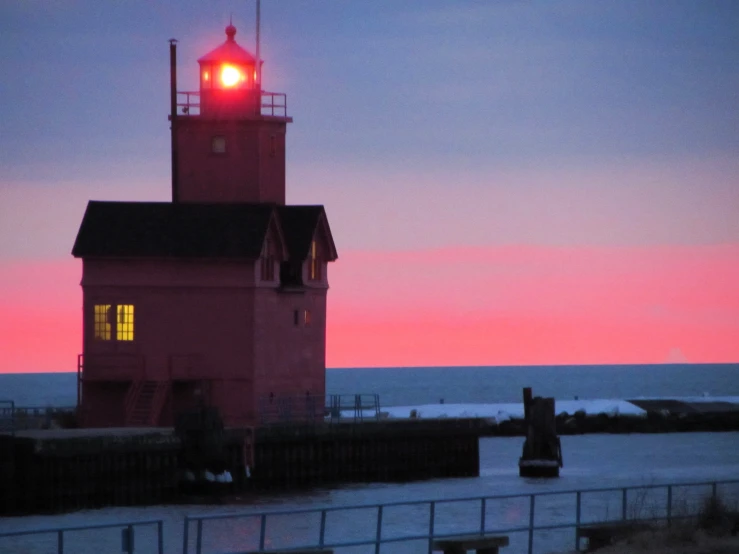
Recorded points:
229,81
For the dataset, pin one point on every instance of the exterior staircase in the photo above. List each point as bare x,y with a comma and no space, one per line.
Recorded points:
144,403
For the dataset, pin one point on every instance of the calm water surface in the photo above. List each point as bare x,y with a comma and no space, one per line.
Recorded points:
477,385
590,461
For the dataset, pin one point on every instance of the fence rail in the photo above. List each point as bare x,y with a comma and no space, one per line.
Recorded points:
127,538
392,523
18,418
356,407
315,409
7,416
290,525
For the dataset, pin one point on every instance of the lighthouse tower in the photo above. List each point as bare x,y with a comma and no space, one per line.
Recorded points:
219,296
234,149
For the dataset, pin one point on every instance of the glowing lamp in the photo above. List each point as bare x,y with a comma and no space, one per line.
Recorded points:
228,82
231,76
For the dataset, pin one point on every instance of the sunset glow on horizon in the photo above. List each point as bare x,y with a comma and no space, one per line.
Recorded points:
593,306
506,184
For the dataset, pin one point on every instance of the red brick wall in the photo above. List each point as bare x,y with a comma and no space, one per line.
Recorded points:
251,170
215,322
290,358
198,315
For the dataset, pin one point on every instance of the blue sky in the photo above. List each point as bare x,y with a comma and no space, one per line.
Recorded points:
468,95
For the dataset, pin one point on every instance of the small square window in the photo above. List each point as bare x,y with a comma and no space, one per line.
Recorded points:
218,145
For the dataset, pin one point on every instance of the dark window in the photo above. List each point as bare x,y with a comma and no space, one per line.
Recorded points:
290,275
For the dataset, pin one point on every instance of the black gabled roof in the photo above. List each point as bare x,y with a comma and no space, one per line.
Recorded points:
164,229
194,230
298,226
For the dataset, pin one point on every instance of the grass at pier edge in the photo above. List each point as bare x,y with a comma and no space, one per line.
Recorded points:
714,530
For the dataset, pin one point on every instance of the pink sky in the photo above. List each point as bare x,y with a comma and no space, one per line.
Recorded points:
505,305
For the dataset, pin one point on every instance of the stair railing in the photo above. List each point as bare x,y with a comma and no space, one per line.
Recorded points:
157,403
132,397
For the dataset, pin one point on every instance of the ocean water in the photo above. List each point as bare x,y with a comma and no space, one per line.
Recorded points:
459,385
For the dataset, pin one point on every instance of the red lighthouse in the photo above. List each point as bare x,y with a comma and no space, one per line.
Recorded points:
234,150
218,297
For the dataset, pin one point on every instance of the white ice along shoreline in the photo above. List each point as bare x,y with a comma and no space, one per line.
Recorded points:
505,411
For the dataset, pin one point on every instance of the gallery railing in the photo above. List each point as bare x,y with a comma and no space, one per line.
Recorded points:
378,525
273,104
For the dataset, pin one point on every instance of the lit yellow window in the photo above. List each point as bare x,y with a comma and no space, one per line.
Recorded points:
306,317
101,324
124,328
315,263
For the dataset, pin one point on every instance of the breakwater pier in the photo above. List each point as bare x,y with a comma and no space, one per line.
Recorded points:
56,470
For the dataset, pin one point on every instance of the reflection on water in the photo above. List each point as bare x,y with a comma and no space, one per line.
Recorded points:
591,461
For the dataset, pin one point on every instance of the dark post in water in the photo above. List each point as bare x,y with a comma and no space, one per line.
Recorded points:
542,451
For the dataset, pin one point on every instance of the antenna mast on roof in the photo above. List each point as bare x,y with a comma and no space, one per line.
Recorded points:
259,63
173,117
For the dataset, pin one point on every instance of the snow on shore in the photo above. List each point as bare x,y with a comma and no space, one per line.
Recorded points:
505,411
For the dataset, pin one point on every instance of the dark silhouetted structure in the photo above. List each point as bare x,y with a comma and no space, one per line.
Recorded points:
542,451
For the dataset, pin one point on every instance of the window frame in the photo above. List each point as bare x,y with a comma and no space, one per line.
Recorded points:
213,142
315,272
113,322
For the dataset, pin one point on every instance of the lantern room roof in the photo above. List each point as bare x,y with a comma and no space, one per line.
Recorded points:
229,51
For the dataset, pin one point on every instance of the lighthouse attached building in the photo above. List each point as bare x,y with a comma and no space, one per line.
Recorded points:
218,297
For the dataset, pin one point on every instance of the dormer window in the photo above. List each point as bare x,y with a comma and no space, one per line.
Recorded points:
268,263
314,268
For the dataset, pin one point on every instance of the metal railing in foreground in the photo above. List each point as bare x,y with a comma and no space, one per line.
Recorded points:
422,521
125,543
